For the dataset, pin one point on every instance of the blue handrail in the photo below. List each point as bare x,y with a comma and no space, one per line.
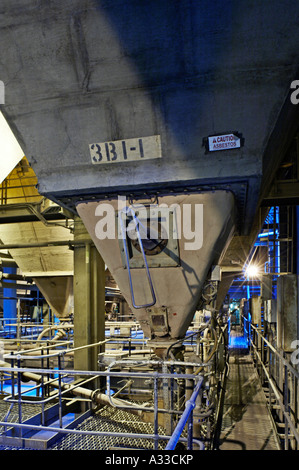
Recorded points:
190,405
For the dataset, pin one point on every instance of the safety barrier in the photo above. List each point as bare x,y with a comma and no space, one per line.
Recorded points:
186,417
280,379
65,382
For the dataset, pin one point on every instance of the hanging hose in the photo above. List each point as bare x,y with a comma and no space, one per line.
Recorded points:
211,354
186,337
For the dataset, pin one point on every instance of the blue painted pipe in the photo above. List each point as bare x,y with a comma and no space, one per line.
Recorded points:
190,405
10,304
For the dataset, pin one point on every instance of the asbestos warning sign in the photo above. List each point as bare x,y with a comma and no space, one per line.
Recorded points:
223,142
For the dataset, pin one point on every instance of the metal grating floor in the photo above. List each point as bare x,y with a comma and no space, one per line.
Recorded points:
246,423
28,411
110,420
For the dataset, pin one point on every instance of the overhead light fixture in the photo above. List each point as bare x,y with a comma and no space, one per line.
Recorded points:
10,150
252,270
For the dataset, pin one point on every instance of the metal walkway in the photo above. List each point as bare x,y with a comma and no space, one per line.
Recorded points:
246,423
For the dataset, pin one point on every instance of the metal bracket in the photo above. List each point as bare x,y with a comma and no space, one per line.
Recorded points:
130,211
165,251
158,321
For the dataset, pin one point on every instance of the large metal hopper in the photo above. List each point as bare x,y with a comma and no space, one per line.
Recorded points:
51,267
189,234
127,98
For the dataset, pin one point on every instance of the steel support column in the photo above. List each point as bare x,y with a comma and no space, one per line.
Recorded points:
89,299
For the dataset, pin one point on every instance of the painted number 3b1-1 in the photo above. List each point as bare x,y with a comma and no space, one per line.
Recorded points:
126,150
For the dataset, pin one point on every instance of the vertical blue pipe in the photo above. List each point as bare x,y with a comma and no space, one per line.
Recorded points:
9,304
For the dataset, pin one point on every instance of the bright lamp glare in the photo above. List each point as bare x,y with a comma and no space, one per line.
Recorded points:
252,271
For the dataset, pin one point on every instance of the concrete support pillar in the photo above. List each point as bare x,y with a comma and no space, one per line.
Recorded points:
287,311
256,314
89,299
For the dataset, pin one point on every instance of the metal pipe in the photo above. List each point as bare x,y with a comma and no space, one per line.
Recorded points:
6,367
19,398
43,244
94,395
53,327
22,354
190,405
156,411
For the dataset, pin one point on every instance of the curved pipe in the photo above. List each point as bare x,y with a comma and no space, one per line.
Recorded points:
94,395
55,327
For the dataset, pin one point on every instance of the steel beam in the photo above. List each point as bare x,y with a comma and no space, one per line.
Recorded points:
89,299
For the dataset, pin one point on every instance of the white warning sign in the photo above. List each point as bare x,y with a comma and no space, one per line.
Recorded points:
223,142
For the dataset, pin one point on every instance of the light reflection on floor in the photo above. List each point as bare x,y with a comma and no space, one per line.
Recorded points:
236,341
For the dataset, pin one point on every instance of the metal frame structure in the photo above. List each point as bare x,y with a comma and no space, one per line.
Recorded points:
45,380
280,380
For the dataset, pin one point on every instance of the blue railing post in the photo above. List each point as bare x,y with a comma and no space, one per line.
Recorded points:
190,405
